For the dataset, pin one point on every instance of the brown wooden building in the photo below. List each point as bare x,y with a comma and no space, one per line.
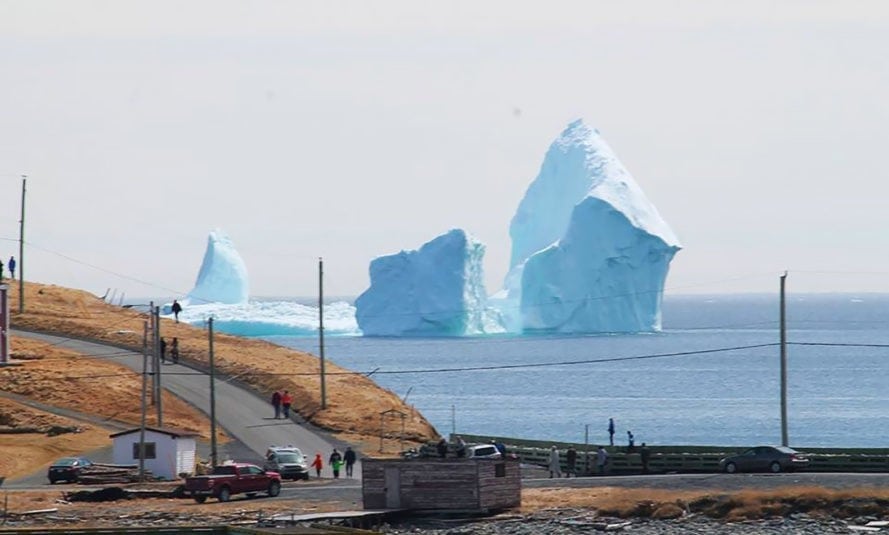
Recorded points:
441,484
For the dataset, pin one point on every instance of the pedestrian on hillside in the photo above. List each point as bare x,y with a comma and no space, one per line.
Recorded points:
611,431
318,464
350,458
336,461
461,447
571,460
176,308
555,463
645,456
163,351
631,441
442,448
601,460
11,265
276,403
286,401
174,350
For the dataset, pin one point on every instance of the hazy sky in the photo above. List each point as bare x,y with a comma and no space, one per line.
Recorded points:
350,130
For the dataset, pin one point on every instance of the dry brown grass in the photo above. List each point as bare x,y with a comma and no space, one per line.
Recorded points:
730,506
354,401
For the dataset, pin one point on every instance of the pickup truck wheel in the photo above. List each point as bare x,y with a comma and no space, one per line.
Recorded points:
274,489
200,499
224,494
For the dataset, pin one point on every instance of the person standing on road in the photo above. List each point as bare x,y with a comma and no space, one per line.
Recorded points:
276,403
601,460
555,462
571,460
645,456
350,458
336,461
611,431
286,401
163,351
318,464
174,350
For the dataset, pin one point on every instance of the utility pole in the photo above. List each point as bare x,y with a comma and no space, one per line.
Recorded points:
152,361
157,357
22,250
783,323
321,329
213,454
453,420
586,455
144,407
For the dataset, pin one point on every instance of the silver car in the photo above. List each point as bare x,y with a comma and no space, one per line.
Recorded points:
765,459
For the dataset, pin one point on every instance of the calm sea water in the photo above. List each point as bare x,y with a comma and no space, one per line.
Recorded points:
837,395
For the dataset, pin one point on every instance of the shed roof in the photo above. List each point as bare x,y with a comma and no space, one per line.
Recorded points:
175,433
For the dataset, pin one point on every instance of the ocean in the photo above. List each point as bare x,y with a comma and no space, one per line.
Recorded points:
698,381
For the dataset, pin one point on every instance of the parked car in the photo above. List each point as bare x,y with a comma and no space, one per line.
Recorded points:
67,469
233,478
287,461
484,451
765,458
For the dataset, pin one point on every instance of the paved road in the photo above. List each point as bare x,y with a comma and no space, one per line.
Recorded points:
243,415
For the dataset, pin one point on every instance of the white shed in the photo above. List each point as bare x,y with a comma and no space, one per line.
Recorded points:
168,452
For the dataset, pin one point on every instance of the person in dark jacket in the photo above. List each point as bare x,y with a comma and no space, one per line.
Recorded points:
644,456
336,460
176,308
571,461
11,265
442,448
350,458
276,403
174,351
163,350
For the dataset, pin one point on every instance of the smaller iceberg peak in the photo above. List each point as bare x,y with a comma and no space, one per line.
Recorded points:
223,274
576,133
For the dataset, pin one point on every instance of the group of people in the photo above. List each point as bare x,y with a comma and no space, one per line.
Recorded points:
601,457
282,401
336,461
11,265
174,351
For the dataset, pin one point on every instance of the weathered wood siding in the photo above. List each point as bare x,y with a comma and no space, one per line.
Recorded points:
442,484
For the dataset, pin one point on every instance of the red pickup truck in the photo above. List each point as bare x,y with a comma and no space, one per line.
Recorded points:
235,478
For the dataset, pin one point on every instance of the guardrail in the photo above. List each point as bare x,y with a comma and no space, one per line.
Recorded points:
685,459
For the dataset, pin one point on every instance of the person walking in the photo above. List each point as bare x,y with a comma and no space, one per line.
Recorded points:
174,350
601,460
163,351
350,458
571,461
461,447
318,464
631,441
176,308
336,461
442,448
611,431
555,462
286,401
645,456
11,265
276,403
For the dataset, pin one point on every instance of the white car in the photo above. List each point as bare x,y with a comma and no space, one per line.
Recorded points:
485,451
287,461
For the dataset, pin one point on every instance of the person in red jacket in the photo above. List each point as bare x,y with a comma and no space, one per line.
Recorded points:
318,464
286,401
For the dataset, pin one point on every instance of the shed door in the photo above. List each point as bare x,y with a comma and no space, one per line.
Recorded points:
393,488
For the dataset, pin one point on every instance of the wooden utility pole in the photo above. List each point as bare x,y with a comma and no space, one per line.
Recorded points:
21,264
151,360
144,403
321,329
213,453
783,327
158,366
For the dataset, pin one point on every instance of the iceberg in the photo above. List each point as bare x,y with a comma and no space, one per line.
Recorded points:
590,252
223,274
437,290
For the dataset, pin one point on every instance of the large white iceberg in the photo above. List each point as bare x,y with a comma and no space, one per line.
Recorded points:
223,274
437,290
590,253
